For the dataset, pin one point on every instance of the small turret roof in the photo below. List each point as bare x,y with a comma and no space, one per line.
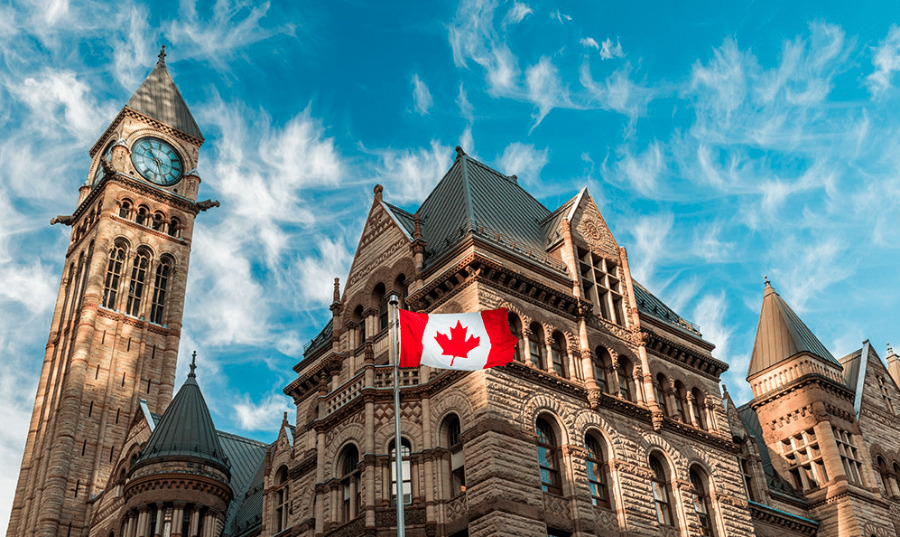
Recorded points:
159,98
186,429
781,334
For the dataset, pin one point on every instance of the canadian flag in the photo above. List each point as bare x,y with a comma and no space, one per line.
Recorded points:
465,341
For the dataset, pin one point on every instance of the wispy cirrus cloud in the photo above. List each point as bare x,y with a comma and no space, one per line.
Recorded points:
886,60
422,96
610,51
516,13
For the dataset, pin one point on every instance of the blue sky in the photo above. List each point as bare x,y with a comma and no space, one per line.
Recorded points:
721,142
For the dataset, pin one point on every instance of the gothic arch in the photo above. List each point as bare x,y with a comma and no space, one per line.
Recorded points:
539,404
354,432
331,463
444,405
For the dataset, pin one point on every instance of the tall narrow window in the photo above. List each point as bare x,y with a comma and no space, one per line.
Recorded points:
602,364
659,388
125,209
350,489
702,505
596,470
160,283
158,222
142,216
113,273
662,492
747,473
450,433
695,400
174,226
558,354
379,294
537,345
548,457
136,285
849,456
515,326
282,499
623,373
405,451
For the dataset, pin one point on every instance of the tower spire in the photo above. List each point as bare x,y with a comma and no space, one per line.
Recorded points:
193,373
162,57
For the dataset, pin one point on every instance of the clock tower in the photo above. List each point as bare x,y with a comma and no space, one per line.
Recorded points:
114,338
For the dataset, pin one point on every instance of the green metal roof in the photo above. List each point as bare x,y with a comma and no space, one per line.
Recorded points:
185,430
159,98
781,334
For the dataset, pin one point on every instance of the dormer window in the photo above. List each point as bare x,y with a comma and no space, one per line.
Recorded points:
601,285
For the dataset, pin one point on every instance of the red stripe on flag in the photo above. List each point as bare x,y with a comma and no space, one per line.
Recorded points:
503,342
412,328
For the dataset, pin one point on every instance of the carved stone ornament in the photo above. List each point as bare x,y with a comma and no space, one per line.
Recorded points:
597,235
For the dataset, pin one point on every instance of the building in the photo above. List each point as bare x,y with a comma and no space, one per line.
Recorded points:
610,421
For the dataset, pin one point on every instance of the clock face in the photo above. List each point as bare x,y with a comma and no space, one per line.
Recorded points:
157,161
107,155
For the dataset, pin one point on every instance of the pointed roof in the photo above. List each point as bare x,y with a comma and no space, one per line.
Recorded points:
781,334
474,197
186,430
159,98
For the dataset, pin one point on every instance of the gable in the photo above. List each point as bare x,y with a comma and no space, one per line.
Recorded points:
589,227
383,240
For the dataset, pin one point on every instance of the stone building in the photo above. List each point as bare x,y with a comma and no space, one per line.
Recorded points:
609,422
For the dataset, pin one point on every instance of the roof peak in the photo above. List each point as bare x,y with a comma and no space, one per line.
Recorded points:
781,334
158,98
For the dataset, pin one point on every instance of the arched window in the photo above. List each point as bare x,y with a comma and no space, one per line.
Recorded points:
548,457
537,345
358,317
623,374
697,408
702,503
137,283
174,226
113,273
125,209
515,326
885,475
679,401
379,294
602,364
142,215
597,472
401,285
405,451
450,430
158,221
282,499
659,388
160,284
351,494
662,491
558,354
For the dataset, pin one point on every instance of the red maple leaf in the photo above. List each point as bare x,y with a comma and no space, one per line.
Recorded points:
457,346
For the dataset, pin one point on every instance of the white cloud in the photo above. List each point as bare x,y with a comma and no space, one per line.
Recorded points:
327,258
642,171
524,161
709,314
410,174
473,37
421,95
466,141
516,13
886,59
265,415
132,52
545,88
610,51
560,16
617,93
649,243
465,107
589,42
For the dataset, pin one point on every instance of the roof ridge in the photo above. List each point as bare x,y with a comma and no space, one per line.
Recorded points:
509,178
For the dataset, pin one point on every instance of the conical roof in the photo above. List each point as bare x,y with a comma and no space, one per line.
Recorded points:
781,334
186,430
159,98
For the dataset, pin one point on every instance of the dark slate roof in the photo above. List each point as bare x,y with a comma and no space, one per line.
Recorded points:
775,482
407,220
648,304
472,197
323,338
185,430
781,334
247,467
159,98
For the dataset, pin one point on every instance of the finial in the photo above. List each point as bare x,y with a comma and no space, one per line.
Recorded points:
460,152
337,289
193,373
284,421
890,349
378,190
162,56
766,278
417,234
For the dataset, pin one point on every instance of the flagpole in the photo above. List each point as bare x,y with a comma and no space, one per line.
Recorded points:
398,448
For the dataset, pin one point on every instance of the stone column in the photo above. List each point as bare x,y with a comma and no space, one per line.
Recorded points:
320,478
639,395
573,369
526,338
692,418
371,465
178,519
143,521
548,350
427,445
160,514
195,523
646,380
209,524
615,388
129,525
830,454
